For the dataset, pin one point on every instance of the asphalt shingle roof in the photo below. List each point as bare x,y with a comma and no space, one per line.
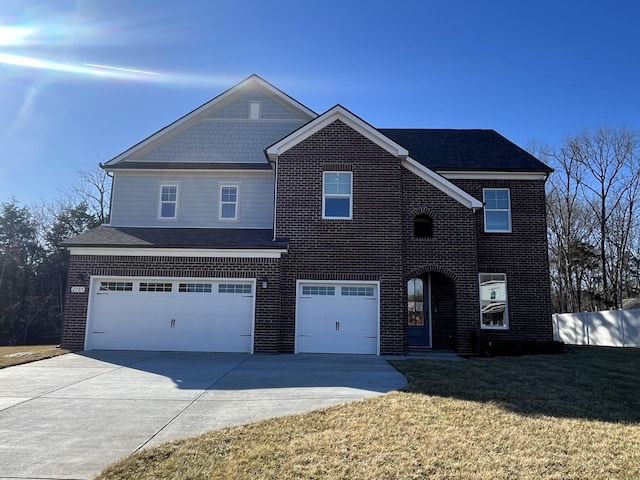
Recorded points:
480,150
188,166
106,236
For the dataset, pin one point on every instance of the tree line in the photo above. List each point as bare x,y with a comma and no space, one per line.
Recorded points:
593,226
593,220
33,266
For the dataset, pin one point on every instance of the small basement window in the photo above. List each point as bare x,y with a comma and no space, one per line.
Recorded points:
423,226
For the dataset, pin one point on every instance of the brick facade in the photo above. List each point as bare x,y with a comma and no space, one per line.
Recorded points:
377,244
522,255
368,247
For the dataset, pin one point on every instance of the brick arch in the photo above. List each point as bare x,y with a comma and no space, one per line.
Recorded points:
430,268
422,210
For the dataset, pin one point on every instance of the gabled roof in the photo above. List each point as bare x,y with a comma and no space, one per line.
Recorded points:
465,150
378,137
336,113
252,81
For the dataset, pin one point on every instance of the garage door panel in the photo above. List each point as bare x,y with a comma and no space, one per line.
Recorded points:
337,318
191,317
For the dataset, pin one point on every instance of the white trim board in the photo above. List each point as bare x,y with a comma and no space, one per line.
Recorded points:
336,113
176,252
441,183
474,175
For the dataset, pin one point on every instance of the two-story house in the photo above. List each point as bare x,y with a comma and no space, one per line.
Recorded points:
253,224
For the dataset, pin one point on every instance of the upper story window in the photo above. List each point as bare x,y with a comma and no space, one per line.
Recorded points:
423,226
497,210
336,195
254,110
168,201
228,202
493,300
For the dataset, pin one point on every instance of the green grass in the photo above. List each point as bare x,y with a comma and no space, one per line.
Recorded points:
16,355
573,416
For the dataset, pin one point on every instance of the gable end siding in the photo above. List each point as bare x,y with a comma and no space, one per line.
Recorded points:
270,108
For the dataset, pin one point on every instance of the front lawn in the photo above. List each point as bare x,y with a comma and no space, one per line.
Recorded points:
572,416
15,355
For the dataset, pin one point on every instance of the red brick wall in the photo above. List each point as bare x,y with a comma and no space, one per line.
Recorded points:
522,255
377,244
451,252
368,247
267,316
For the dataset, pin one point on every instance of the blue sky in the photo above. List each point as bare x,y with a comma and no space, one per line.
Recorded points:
530,70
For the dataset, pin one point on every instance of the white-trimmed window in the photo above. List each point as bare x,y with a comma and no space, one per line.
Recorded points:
497,210
493,300
228,202
254,110
337,198
168,207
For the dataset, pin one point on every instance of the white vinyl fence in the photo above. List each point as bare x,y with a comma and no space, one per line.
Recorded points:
610,328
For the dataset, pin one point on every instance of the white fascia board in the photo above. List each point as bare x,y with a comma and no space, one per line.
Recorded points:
336,113
441,183
475,175
177,252
253,80
164,171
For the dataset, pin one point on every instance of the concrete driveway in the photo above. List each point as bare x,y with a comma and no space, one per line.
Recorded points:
69,417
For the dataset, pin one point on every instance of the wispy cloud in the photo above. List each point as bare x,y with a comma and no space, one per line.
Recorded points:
26,111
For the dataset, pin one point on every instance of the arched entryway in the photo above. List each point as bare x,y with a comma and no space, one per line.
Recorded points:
431,311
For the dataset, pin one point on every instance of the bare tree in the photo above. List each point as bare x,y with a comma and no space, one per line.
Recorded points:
570,229
592,210
93,188
609,183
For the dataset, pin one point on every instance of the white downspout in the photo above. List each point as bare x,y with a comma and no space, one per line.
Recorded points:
275,195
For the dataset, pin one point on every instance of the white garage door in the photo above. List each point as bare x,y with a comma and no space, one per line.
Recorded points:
203,315
337,318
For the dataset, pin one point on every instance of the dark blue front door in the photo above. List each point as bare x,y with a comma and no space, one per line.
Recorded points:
418,312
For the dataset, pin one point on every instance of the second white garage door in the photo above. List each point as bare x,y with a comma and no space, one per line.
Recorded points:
208,315
337,317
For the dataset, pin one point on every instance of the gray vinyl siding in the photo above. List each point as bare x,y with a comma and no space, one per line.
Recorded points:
219,141
270,108
136,196
226,135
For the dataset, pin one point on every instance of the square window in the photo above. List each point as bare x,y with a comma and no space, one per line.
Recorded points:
493,300
337,195
497,210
